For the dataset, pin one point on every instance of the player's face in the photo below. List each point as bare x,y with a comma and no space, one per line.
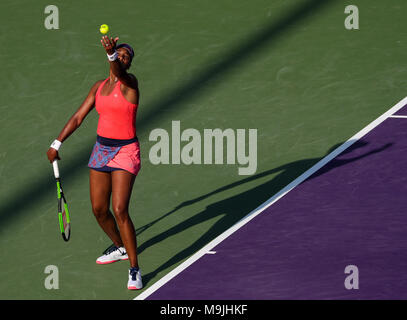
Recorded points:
124,57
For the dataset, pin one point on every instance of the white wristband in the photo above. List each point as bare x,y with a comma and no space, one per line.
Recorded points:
56,144
112,57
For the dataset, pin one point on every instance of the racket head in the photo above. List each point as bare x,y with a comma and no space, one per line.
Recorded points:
63,214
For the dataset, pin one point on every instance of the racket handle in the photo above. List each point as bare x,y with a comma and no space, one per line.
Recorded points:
56,169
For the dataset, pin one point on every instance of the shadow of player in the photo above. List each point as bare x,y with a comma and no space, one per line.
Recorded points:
236,207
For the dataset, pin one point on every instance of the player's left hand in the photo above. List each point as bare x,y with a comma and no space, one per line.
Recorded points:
109,44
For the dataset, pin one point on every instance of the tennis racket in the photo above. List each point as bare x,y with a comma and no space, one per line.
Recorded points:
63,213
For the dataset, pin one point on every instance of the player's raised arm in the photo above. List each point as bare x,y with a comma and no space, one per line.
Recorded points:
74,122
120,58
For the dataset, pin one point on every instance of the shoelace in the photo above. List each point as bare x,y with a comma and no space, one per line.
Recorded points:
110,249
133,273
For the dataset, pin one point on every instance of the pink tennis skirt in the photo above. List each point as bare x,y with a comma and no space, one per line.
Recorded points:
106,158
128,158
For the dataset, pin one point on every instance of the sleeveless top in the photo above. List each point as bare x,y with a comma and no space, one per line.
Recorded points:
117,116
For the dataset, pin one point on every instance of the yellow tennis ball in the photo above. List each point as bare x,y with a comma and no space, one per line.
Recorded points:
104,28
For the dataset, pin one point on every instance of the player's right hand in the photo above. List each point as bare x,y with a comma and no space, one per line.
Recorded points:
52,155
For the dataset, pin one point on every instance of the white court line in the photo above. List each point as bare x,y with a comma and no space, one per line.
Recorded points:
206,249
396,116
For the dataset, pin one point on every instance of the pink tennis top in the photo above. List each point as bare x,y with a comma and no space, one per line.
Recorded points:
117,116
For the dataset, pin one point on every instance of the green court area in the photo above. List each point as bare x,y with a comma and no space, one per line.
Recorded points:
288,68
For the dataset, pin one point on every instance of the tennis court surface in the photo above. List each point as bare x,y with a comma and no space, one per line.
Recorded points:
290,69
346,210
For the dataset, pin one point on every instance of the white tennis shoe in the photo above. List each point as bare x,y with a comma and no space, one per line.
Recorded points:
135,282
112,254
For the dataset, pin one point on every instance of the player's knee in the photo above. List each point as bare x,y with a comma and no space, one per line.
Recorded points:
100,211
121,213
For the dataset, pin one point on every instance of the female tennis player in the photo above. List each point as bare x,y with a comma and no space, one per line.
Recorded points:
115,159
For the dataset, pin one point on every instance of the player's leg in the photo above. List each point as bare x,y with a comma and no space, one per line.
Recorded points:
122,185
100,191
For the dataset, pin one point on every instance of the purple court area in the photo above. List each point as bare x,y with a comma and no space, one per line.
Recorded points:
402,111
351,212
